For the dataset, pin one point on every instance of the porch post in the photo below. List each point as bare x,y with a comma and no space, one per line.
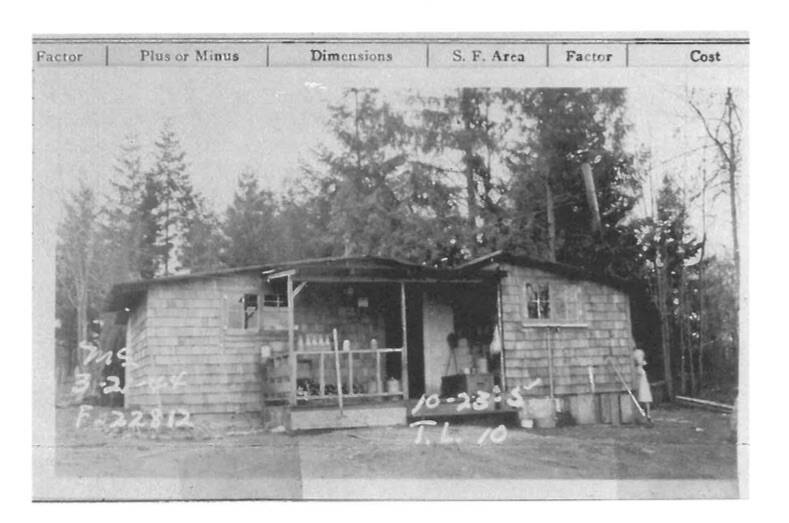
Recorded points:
500,326
404,353
291,341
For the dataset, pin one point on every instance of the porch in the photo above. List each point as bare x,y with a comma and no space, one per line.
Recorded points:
363,338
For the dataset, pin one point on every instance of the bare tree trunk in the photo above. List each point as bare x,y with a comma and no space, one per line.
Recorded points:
732,172
660,283
591,196
551,220
685,329
471,193
664,331
728,149
82,326
466,97
683,375
167,235
702,284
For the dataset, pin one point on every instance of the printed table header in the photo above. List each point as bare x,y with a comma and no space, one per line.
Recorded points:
391,54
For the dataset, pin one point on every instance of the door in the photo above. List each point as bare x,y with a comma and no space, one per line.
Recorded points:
416,354
438,321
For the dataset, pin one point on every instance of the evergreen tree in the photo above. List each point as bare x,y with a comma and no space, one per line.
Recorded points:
125,221
668,250
79,268
203,245
362,199
378,196
150,250
564,129
718,349
461,137
250,230
302,223
170,202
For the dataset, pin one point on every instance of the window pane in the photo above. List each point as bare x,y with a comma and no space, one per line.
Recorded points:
544,302
530,299
250,311
561,305
538,301
275,300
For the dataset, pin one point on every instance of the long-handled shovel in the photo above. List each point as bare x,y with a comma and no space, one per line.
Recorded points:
627,388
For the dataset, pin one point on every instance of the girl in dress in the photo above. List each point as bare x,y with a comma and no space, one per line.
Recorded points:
640,382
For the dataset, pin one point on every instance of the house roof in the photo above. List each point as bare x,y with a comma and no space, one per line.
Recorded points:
336,269
369,269
569,271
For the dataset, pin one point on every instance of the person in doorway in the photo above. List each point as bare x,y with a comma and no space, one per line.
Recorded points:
640,381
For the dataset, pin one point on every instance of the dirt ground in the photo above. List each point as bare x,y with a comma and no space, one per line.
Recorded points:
683,444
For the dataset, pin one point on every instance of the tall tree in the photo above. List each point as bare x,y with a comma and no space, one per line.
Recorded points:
671,251
169,191
362,199
125,219
565,130
203,245
250,228
725,132
463,137
79,264
150,251
378,196
719,324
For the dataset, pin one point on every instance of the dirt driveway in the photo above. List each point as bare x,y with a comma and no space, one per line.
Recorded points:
683,444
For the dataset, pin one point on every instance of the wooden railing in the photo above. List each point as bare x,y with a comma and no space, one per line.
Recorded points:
349,368
280,381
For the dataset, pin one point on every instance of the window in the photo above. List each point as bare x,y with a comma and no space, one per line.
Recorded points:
555,302
275,300
242,313
250,311
538,301
276,294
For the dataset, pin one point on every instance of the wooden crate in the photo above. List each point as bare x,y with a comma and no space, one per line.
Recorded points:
451,386
627,409
609,408
584,409
276,377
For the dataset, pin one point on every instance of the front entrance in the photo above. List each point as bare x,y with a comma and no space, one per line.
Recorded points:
416,349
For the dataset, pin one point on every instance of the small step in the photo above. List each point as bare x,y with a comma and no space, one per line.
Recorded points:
354,416
459,412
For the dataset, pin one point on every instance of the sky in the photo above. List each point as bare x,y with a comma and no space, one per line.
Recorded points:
231,120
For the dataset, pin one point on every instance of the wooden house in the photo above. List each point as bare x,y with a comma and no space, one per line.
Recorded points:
359,341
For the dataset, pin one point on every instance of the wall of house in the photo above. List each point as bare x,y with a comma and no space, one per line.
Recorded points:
188,352
181,334
138,355
592,325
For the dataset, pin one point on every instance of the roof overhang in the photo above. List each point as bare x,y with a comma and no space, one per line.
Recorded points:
494,260
371,269
363,269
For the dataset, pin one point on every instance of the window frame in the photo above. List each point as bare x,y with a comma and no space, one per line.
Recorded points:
557,292
532,297
237,320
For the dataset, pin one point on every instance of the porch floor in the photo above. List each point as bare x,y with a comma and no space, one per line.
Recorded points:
318,416
353,416
503,414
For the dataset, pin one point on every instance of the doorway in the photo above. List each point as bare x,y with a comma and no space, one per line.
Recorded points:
416,350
